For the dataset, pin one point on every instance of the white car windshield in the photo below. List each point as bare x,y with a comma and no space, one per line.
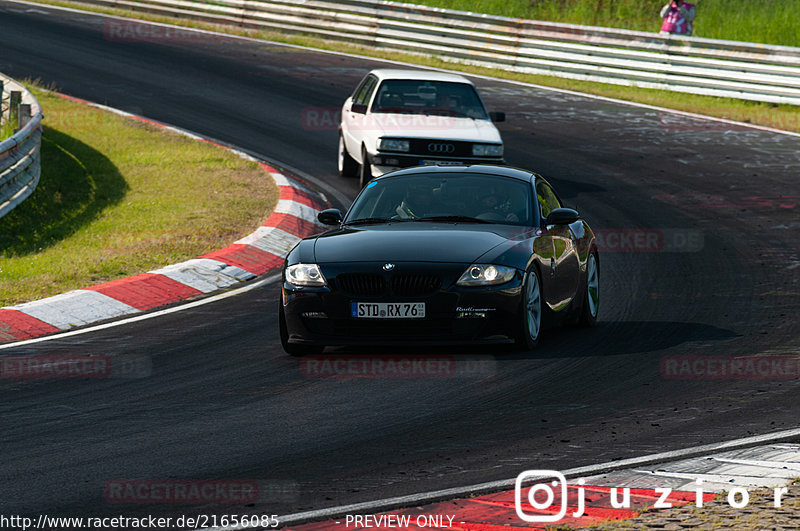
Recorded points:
429,97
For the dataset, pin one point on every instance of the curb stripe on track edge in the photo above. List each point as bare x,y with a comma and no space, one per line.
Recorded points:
292,220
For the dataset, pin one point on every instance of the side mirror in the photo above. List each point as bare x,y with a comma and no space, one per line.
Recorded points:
497,116
330,216
359,108
562,216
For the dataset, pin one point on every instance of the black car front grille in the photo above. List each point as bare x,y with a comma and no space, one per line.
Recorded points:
439,148
405,285
362,285
414,285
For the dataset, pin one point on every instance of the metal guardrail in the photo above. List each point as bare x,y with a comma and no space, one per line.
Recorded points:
20,161
686,64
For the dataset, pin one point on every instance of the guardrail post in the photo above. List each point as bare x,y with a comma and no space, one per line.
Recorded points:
24,115
13,105
20,160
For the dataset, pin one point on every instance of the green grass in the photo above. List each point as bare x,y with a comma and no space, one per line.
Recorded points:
6,130
7,122
6,125
763,21
118,197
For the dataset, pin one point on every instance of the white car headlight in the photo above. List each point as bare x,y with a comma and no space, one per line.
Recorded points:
486,275
393,144
487,150
305,275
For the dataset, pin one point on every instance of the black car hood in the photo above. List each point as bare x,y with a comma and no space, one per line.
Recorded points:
410,242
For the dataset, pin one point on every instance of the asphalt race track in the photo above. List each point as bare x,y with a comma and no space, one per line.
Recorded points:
223,402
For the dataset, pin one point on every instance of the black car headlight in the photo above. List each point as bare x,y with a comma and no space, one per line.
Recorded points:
305,275
486,275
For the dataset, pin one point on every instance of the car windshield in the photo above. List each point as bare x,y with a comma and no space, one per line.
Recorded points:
429,97
452,197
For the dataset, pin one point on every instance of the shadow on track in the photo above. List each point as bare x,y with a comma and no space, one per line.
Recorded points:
608,339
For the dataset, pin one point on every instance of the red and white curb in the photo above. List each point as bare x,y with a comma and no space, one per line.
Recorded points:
619,495
294,218
596,493
496,512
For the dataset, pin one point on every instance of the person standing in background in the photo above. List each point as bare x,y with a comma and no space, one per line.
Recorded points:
678,16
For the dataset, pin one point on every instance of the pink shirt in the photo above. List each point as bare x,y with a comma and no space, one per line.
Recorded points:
678,19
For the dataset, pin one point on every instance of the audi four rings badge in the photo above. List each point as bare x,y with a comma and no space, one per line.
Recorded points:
441,148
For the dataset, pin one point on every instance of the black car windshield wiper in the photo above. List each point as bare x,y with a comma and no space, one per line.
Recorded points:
375,221
454,219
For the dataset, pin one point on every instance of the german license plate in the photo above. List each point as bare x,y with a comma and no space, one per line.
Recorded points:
425,162
387,310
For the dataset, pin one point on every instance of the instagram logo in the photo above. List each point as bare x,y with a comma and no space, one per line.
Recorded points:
541,496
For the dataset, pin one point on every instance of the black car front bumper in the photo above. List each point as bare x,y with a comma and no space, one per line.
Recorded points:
454,314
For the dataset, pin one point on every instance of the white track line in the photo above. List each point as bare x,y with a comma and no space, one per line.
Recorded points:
787,465
493,486
238,291
730,480
402,63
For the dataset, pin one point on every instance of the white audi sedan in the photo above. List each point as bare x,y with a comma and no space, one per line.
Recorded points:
400,118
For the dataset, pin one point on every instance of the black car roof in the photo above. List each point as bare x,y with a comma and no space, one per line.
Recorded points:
485,169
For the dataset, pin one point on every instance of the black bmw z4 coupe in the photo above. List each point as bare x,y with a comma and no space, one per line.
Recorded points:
437,255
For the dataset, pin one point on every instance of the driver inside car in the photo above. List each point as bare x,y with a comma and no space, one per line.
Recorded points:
446,102
495,208
417,203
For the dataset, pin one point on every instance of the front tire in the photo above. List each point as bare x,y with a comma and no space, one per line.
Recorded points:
365,172
591,298
294,349
347,165
530,326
